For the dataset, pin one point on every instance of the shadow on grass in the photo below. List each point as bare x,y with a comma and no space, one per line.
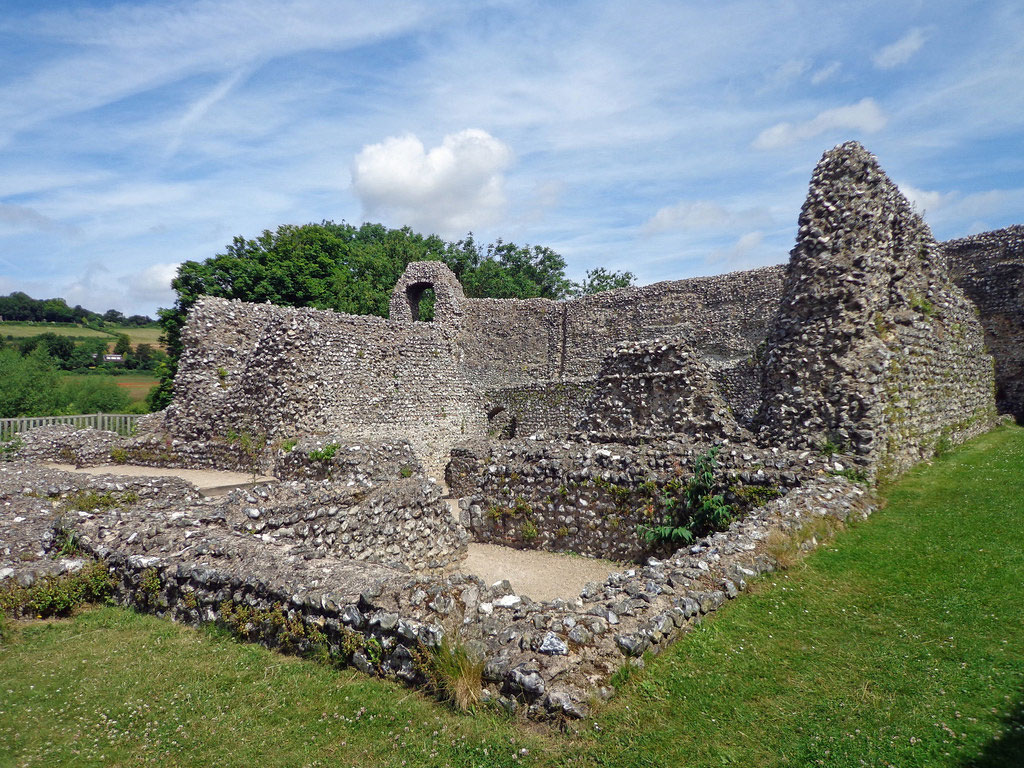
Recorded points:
1007,750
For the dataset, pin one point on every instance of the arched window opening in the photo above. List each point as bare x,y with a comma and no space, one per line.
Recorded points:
421,302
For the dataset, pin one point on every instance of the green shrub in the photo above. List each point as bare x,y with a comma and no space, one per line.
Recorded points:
56,595
9,448
691,508
90,501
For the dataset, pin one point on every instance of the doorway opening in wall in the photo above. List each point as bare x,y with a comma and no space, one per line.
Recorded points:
421,302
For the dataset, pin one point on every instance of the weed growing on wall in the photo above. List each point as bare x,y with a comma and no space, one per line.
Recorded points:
9,448
453,673
324,454
252,446
690,508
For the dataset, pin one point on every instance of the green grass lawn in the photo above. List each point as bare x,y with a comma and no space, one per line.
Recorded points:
901,644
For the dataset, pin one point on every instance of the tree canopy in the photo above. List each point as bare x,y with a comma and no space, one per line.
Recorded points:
353,269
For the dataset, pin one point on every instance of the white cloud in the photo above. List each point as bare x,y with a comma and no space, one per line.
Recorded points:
825,73
900,52
450,189
740,254
702,215
924,200
864,116
153,283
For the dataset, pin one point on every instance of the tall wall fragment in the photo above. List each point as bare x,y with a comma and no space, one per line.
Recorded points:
280,372
874,348
989,268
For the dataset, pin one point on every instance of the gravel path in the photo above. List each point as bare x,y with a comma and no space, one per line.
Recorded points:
206,480
539,575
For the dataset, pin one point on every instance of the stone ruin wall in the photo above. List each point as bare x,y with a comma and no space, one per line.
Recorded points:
989,268
874,350
282,372
540,360
871,348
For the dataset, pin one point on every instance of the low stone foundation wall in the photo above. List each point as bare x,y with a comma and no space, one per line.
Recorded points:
178,555
590,499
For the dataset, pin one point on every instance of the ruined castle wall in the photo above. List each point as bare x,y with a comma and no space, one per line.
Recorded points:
282,372
591,499
539,359
509,342
875,349
989,268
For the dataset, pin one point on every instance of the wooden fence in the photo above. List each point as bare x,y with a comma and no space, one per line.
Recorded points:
122,423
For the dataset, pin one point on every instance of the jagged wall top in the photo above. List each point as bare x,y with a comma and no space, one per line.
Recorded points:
874,347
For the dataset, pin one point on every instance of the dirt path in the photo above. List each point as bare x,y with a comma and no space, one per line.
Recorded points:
210,481
539,575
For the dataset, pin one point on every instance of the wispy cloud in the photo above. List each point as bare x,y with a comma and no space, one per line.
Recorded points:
699,215
137,135
825,73
901,51
24,217
864,117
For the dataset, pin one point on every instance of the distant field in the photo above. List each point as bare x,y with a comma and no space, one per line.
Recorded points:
137,335
137,385
140,335
23,330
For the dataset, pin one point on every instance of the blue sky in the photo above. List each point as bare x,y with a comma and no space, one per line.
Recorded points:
671,139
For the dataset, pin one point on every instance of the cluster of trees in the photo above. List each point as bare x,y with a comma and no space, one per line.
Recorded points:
69,354
33,385
22,307
353,269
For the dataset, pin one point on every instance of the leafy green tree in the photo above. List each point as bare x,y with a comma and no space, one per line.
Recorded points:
92,394
29,385
87,354
123,345
600,279
60,348
348,269
143,357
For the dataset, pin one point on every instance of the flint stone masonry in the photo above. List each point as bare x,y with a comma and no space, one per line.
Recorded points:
556,425
590,499
279,373
989,268
874,347
181,556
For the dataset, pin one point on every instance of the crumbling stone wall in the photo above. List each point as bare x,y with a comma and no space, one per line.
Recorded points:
989,268
660,389
278,373
591,499
539,359
177,555
874,348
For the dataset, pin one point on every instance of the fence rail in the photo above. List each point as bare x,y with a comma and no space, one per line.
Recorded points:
122,423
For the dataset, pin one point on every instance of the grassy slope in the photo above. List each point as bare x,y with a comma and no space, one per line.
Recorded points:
23,330
901,644
19,330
